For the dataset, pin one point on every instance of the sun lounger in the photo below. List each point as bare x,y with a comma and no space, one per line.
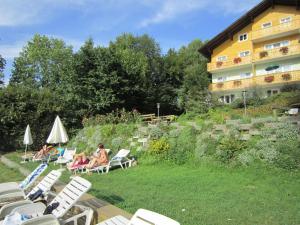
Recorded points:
141,217
13,189
66,199
67,156
120,159
44,185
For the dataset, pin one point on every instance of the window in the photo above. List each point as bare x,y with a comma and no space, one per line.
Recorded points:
243,37
266,25
222,58
277,45
286,68
227,99
244,53
286,20
245,75
221,79
272,92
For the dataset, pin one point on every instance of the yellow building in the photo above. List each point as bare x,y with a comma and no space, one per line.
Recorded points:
260,52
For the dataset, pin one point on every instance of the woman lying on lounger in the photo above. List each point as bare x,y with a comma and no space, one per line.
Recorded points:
45,150
100,157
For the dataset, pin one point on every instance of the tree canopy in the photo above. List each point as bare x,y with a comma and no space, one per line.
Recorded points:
49,78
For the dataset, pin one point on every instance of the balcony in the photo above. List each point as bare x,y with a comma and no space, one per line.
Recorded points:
276,31
236,62
277,53
276,78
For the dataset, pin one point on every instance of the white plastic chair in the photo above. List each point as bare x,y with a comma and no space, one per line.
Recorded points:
120,159
67,198
67,156
141,217
45,185
13,189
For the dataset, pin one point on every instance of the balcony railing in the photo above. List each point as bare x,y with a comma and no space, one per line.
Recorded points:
277,29
278,52
276,78
229,63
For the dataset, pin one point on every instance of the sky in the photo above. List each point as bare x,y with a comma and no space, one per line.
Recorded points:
172,23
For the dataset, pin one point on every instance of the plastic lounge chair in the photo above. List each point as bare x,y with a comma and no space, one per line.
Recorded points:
44,185
82,168
67,156
67,198
13,189
141,217
120,159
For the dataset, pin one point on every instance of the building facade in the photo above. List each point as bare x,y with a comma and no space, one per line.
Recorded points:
259,53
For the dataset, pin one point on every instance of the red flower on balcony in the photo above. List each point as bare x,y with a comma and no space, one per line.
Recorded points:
263,54
219,85
284,50
237,60
286,76
269,79
237,83
219,64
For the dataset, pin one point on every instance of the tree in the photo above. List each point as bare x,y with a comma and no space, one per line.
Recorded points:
2,66
193,94
44,62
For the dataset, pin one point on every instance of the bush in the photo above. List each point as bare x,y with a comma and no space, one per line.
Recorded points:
182,147
156,133
228,148
205,146
159,147
114,117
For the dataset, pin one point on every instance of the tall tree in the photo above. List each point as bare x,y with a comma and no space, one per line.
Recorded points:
96,79
44,62
193,94
2,66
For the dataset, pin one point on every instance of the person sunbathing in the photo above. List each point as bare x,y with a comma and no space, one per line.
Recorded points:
43,152
100,157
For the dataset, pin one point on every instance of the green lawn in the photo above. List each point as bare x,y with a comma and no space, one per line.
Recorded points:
203,195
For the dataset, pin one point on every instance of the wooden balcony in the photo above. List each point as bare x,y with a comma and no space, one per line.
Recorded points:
277,78
236,62
276,31
277,53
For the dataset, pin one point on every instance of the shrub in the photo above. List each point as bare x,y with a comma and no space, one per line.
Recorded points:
159,147
228,148
182,147
265,151
205,146
156,133
245,158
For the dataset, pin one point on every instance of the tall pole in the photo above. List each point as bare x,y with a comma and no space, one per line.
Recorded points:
245,106
158,106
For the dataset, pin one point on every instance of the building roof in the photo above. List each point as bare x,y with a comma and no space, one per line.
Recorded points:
242,22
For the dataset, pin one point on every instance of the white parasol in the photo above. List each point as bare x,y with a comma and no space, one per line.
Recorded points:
58,133
27,139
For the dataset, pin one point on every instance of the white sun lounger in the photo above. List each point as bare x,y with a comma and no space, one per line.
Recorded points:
67,198
13,189
45,185
141,217
120,159
67,156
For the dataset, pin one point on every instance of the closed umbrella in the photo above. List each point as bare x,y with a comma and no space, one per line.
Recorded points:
58,133
27,140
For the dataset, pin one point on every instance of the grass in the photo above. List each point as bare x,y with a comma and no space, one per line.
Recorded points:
203,194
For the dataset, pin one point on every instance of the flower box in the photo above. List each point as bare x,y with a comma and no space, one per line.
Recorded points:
237,60
263,54
219,85
237,83
219,64
284,50
269,79
286,76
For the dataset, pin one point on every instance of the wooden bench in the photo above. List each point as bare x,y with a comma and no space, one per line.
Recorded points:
148,117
